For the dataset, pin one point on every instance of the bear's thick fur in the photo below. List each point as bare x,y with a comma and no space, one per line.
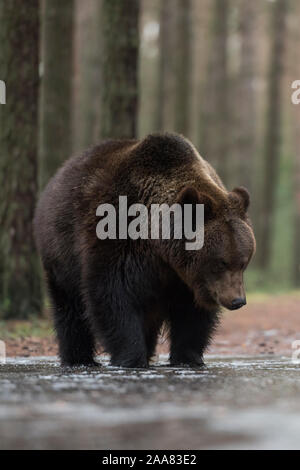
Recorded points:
122,291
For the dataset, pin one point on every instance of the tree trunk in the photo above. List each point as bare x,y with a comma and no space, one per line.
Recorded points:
87,64
20,288
200,51
273,130
246,114
214,121
149,108
120,28
294,69
183,67
55,143
296,244
163,60
165,120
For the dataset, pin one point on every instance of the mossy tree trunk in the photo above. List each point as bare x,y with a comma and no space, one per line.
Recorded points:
20,288
273,131
120,40
56,86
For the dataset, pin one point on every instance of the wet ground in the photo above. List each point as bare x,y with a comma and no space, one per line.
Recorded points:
237,403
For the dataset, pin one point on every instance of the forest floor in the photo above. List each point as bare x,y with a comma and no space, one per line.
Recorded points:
267,325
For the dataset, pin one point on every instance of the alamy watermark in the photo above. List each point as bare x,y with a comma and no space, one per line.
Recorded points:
295,97
2,92
2,352
296,352
161,221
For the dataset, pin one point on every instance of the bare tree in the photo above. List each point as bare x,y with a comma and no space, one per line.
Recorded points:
214,119
20,288
296,182
246,115
183,54
55,143
294,73
87,65
273,129
119,103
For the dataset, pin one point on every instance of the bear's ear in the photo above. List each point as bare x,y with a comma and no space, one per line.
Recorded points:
244,196
190,195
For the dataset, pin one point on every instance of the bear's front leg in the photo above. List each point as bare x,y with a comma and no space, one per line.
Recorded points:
191,330
125,341
119,327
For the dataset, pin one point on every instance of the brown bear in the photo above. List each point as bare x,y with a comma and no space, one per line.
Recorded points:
121,291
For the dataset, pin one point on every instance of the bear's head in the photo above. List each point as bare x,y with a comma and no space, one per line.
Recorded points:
215,272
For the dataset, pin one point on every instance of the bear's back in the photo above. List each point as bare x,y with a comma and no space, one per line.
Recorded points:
150,170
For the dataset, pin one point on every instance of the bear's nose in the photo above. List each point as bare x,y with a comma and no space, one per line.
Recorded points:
238,303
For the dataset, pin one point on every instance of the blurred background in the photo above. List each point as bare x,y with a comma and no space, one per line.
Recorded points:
218,71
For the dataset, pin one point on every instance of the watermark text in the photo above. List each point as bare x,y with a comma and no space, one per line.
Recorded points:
2,92
2,352
160,221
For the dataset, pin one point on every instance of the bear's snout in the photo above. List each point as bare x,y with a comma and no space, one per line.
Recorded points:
238,303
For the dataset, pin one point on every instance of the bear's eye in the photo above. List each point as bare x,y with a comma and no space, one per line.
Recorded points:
220,266
223,264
